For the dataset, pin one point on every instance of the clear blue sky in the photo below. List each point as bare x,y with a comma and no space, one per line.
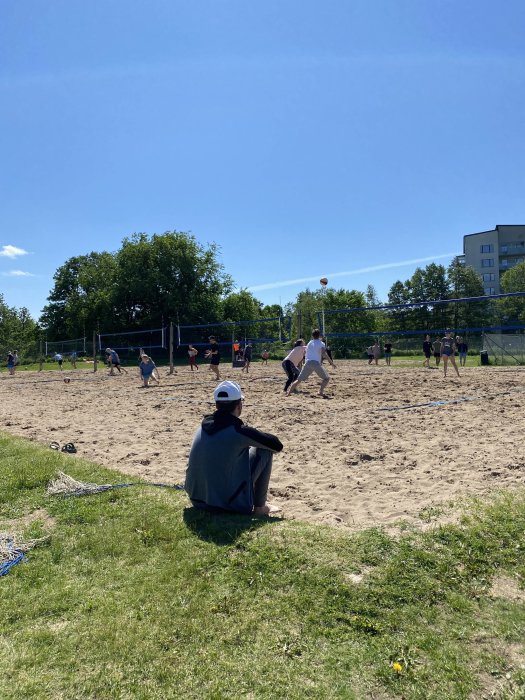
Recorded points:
306,138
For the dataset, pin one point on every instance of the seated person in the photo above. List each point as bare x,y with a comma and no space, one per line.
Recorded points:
230,463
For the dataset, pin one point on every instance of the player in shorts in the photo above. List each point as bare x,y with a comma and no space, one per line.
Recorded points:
192,357
214,356
148,370
370,354
313,356
448,349
113,361
59,359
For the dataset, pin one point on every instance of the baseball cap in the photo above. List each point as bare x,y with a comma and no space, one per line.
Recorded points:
228,391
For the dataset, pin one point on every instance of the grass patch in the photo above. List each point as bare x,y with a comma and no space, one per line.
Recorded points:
138,596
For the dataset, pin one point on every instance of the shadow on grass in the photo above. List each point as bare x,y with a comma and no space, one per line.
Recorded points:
221,528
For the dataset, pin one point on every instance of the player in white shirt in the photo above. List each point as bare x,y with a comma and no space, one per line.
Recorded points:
315,351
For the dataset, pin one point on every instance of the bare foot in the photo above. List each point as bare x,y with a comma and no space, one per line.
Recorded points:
266,509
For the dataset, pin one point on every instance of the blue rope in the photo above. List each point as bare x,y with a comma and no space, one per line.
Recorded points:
6,566
450,401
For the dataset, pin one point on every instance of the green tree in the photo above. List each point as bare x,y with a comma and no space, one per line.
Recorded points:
465,282
512,310
18,331
146,283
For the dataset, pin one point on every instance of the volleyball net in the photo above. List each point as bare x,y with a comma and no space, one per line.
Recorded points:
262,331
475,319
130,342
77,347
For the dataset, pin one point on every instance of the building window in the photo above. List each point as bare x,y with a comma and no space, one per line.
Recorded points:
504,262
487,248
487,262
489,277
504,249
489,291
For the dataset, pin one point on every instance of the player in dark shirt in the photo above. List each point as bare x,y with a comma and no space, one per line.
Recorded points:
214,356
427,351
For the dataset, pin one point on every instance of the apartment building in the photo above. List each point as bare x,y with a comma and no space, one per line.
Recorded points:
490,253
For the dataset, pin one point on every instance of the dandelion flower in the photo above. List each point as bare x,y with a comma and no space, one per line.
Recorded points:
397,667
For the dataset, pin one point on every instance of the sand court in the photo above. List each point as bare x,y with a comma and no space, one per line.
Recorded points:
346,461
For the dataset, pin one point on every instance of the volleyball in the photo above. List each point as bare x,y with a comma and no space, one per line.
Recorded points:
66,380
324,281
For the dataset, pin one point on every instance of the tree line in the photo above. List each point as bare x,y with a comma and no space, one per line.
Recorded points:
171,277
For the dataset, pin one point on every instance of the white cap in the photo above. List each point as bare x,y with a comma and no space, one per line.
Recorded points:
228,391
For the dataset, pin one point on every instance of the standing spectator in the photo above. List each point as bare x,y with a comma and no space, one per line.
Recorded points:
437,350
11,364
427,351
247,355
388,352
462,349
376,352
265,357
59,359
370,354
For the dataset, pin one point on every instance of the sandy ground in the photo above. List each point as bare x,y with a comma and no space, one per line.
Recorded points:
346,461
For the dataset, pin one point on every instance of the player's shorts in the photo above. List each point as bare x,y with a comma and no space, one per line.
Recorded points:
447,352
437,354
215,360
312,366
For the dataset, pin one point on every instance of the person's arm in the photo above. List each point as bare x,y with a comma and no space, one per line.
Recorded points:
325,354
258,438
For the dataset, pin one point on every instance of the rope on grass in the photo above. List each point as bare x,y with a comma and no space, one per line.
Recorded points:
12,550
65,485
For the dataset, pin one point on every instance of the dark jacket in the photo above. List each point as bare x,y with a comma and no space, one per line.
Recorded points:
218,473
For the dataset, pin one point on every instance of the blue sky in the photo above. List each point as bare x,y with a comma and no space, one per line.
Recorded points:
341,138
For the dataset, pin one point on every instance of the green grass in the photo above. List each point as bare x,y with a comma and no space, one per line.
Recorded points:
138,596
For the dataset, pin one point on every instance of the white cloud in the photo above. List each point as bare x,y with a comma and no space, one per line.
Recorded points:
11,251
359,271
17,273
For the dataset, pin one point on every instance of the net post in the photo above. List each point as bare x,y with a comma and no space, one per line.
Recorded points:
94,351
171,347
40,359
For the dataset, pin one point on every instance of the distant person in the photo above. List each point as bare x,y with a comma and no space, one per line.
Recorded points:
214,356
463,350
313,355
328,349
427,351
73,359
388,352
376,352
265,355
59,358
10,362
113,361
448,348
230,464
237,350
437,350
148,370
292,361
192,357
247,356
370,354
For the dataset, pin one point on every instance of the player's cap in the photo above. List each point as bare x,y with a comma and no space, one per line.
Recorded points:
108,349
228,391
